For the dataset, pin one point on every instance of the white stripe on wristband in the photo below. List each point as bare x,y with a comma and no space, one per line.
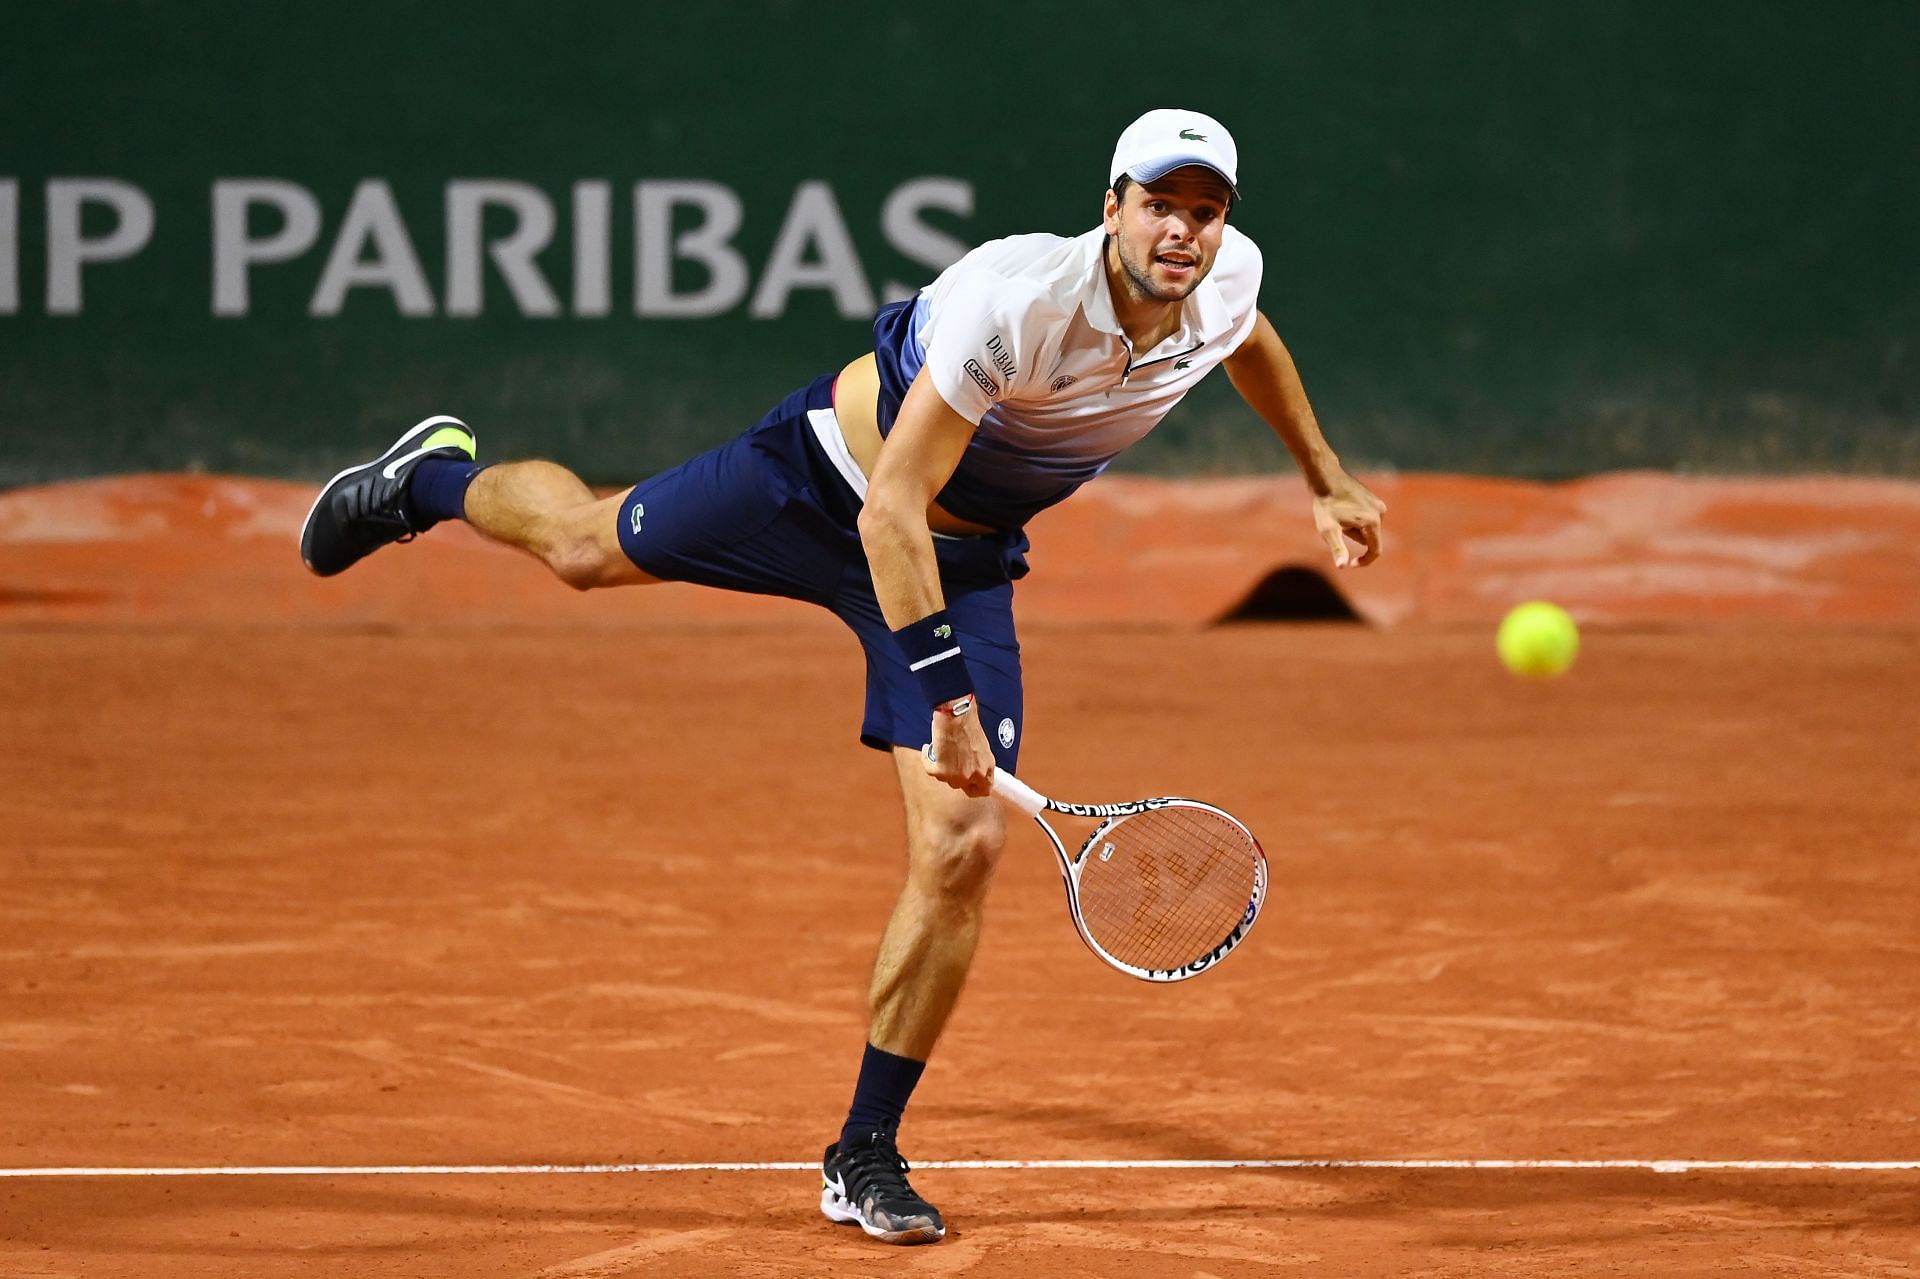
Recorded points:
937,657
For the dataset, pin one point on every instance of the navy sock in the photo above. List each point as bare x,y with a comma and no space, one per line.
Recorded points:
437,489
880,1098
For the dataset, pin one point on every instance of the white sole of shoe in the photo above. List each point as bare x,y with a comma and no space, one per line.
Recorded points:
837,1207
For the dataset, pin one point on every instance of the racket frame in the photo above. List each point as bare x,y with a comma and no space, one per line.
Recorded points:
1023,797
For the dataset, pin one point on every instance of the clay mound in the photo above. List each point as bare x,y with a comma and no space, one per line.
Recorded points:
1292,594
183,549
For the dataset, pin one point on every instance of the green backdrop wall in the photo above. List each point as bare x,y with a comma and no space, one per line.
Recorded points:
1529,238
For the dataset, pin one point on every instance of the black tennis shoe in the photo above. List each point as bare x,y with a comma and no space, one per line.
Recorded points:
865,1184
365,507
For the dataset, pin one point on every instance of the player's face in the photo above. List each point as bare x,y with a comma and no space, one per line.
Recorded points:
1168,232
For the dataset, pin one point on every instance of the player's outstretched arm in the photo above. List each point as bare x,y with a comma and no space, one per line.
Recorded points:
1262,371
916,460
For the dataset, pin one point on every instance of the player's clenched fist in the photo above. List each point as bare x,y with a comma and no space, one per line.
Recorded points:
958,753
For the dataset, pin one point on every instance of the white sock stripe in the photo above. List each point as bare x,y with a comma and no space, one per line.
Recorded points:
937,657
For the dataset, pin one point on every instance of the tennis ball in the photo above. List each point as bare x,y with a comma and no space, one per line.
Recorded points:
1538,640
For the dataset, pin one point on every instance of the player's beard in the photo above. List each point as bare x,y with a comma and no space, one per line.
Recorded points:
1138,268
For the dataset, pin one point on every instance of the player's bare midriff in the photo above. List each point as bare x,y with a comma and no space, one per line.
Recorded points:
856,397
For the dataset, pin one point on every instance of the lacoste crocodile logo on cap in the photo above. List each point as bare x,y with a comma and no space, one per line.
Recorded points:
1191,136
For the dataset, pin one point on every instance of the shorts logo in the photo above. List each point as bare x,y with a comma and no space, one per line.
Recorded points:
981,376
1006,734
639,510
1063,382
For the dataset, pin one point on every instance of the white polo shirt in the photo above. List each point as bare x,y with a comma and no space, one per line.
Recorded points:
1020,337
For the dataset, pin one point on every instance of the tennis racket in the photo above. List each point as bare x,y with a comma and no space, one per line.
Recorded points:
1163,889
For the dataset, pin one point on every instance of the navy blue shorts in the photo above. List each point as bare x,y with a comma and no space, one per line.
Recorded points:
766,513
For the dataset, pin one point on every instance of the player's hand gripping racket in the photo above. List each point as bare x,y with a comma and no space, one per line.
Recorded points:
1164,889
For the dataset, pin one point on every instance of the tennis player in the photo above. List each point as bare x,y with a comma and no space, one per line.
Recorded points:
894,493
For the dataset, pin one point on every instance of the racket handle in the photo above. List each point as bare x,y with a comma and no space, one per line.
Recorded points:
1018,793
1008,787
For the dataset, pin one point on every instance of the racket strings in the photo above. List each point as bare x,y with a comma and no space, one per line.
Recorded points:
1163,888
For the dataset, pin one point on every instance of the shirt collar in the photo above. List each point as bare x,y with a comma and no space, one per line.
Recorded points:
1096,302
1204,316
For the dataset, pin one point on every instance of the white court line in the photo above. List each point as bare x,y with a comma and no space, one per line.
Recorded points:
1177,1165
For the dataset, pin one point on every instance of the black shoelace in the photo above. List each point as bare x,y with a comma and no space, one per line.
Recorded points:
878,1168
387,520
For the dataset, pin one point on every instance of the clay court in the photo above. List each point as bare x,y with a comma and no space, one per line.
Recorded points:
440,866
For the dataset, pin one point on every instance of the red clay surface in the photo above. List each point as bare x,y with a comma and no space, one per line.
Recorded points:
1634,547
441,864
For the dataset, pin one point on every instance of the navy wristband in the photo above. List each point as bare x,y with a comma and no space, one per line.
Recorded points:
932,651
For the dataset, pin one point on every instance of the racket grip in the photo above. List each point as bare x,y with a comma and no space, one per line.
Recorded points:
1018,793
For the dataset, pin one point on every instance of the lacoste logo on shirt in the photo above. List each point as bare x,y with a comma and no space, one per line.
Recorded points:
980,376
1182,364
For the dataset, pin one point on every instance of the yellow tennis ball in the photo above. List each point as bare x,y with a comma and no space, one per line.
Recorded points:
1538,640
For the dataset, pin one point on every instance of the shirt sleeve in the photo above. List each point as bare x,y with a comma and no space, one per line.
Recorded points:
973,339
1238,275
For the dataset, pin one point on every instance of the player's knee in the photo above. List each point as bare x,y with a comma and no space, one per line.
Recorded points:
579,561
955,850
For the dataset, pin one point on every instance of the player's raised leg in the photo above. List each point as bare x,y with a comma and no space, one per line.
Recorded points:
953,844
545,510
431,474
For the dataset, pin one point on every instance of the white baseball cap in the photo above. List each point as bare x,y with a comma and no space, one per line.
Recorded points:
1167,139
